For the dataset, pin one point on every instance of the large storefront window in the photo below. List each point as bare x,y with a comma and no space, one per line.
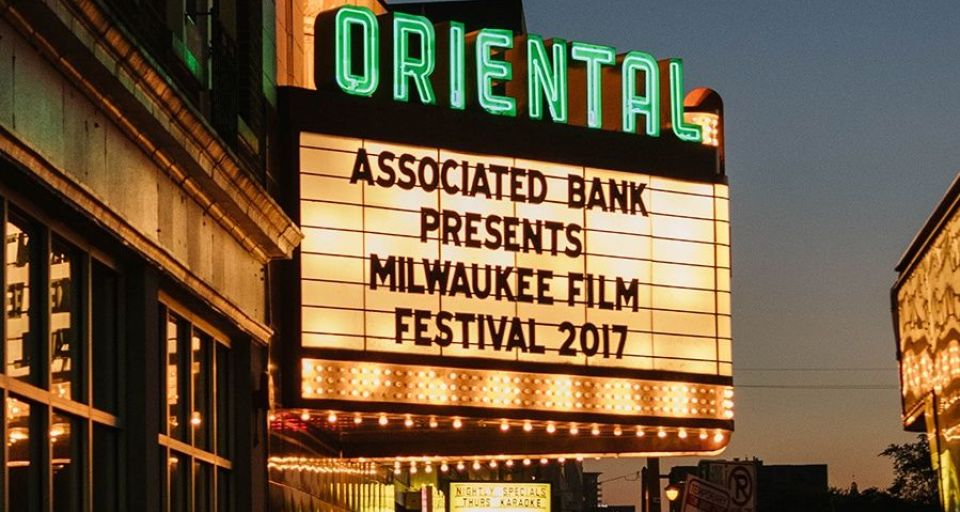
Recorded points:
59,346
196,431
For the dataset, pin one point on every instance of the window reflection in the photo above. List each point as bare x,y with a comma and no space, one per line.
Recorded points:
19,256
179,467
175,406
23,456
201,370
66,463
63,321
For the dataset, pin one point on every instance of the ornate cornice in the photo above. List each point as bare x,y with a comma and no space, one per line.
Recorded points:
142,100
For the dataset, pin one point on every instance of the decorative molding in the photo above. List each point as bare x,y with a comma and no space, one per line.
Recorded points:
212,177
77,194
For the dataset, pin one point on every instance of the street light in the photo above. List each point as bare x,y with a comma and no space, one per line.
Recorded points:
672,491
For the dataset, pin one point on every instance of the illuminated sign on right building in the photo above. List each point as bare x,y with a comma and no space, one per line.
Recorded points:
926,307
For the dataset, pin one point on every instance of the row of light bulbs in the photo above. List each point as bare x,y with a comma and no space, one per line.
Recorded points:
511,390
504,425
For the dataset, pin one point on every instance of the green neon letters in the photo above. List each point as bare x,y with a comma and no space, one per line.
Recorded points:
649,104
405,66
366,82
415,60
683,130
490,69
458,66
547,78
594,56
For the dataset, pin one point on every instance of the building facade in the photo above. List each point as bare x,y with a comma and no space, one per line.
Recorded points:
924,305
137,225
173,314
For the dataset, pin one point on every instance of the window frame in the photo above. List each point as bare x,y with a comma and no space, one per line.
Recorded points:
188,453
38,393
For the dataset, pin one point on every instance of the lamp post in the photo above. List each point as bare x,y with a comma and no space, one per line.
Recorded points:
672,492
650,488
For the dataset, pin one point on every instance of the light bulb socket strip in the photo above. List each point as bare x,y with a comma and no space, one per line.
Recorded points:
386,436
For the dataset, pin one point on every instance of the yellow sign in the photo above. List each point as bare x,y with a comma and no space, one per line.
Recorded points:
499,497
466,258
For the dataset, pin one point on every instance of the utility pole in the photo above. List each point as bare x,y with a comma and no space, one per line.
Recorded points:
650,486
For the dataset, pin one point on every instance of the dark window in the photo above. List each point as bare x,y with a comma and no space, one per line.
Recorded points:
105,474
104,337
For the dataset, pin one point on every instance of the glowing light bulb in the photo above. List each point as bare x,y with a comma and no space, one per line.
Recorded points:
526,462
595,430
408,422
476,465
428,469
661,434
682,434
544,461
433,423
551,428
527,427
493,464
357,419
457,423
383,420
640,432
461,466
703,436
574,429
509,463
444,467
718,437
617,430
305,416
504,426
332,417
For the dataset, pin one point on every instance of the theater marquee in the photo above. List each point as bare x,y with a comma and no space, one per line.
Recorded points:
470,260
462,271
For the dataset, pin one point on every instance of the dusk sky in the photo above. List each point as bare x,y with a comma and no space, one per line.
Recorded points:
841,132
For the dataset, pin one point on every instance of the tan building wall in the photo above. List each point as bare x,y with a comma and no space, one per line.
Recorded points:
187,206
295,42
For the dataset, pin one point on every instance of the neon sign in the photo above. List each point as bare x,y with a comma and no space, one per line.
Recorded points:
511,73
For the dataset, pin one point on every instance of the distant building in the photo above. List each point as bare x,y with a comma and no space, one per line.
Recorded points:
760,487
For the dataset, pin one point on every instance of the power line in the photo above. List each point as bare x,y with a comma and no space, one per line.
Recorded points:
811,369
819,386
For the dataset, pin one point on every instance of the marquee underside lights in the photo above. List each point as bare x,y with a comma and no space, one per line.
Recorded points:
432,439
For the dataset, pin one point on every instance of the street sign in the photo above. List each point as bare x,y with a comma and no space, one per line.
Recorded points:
740,480
700,495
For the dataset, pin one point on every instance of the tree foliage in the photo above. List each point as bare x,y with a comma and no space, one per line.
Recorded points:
914,478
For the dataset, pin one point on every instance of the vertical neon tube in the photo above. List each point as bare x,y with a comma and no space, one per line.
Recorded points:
405,66
547,78
366,82
647,105
594,56
458,70
489,70
684,131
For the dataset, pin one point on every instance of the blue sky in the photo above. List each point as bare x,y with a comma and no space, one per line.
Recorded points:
842,130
